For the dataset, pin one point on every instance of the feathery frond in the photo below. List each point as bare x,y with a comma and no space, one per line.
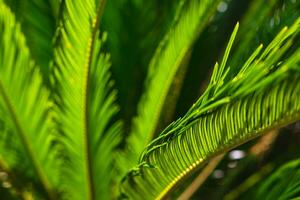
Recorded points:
24,107
189,21
38,25
262,95
104,133
137,27
270,17
284,183
60,133
85,101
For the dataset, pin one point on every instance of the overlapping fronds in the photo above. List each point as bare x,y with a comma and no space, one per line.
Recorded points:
261,11
270,17
236,107
104,133
137,27
85,101
189,21
284,183
38,25
24,109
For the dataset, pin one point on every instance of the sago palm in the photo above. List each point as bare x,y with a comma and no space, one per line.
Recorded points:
63,134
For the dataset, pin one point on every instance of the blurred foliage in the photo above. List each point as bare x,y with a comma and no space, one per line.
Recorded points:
83,99
135,28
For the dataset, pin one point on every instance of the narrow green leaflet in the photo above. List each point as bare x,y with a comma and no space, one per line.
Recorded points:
190,20
85,102
24,108
262,95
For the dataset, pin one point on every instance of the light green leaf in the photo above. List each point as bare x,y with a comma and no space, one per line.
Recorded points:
38,25
24,108
284,183
85,102
190,20
104,133
262,95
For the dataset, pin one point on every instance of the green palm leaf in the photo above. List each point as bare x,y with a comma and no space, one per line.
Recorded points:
38,25
263,28
104,133
25,115
284,183
85,102
190,20
262,95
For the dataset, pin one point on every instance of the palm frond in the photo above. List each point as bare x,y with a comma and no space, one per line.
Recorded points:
129,67
284,183
38,25
189,21
24,108
270,17
104,133
85,102
9,140
236,107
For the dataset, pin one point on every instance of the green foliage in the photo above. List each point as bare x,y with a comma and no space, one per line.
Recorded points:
190,20
284,183
104,133
26,115
135,29
62,133
85,102
220,119
38,25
